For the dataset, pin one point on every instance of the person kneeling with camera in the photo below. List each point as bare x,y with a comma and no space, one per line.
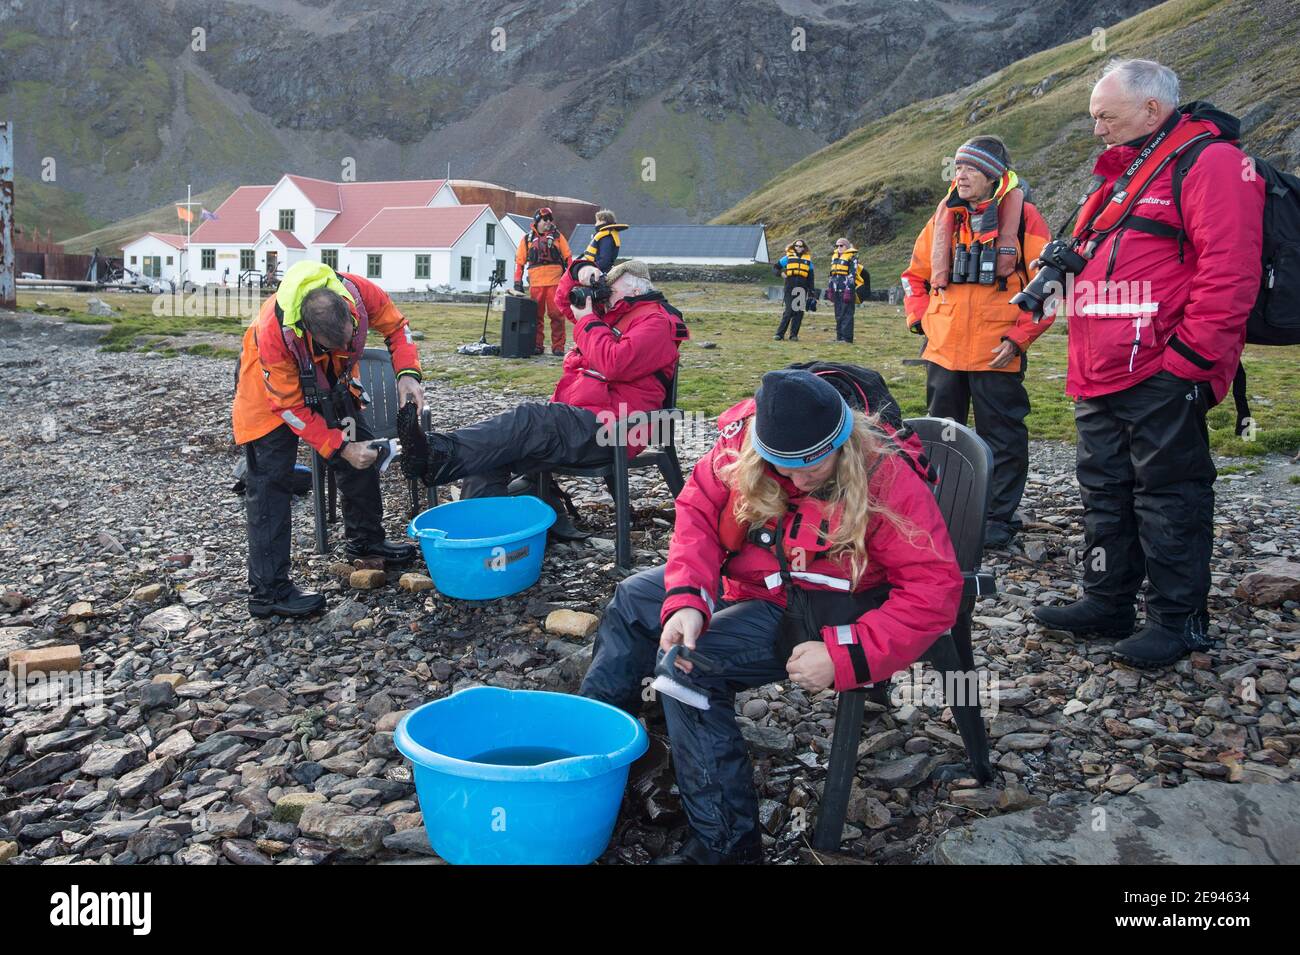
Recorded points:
806,549
626,337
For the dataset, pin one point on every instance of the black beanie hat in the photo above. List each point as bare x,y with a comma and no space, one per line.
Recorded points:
799,418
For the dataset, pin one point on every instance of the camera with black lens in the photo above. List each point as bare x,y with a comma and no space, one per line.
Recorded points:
597,294
1057,260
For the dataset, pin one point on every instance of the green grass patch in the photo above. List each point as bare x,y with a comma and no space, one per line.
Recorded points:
739,320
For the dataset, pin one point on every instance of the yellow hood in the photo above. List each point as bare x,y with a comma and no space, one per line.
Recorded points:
299,279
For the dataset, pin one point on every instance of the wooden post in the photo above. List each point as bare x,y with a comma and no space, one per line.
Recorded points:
8,293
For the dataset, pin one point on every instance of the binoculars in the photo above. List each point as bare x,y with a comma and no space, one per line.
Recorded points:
976,263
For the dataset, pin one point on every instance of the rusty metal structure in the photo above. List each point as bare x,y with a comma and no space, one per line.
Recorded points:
8,292
569,212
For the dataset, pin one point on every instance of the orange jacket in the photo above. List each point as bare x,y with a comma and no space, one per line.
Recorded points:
541,275
269,393
964,322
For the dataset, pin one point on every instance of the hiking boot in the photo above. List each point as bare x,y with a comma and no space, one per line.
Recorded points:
539,350
1089,617
421,459
695,852
415,445
778,338
998,535
390,552
1157,645
794,338
295,603
565,530
557,352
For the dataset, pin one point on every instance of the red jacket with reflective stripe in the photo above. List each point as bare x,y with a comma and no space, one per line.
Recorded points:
927,584
1121,332
612,370
269,392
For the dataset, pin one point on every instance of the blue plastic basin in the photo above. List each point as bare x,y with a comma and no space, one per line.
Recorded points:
485,547
555,813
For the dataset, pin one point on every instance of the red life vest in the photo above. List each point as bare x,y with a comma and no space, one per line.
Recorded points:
543,251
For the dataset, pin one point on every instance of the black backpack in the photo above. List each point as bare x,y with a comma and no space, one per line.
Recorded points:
1275,317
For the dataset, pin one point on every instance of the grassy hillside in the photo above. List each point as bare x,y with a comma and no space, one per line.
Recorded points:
108,239
879,184
42,205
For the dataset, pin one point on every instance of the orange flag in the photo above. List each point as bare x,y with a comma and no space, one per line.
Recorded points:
183,213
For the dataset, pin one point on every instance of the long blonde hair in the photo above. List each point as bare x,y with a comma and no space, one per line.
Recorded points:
760,497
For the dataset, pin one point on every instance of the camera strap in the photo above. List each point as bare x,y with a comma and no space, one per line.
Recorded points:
1101,213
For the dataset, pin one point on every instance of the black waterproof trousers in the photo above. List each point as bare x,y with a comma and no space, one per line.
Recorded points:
710,757
844,318
533,437
797,293
1001,404
268,501
1147,482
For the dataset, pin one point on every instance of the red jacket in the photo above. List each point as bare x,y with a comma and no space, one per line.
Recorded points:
1195,320
612,370
927,584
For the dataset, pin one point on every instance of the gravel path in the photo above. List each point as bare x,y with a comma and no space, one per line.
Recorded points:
119,533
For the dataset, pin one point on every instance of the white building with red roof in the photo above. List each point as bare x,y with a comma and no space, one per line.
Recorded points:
407,235
156,255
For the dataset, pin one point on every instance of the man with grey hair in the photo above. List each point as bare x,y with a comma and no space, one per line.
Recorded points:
1169,233
623,362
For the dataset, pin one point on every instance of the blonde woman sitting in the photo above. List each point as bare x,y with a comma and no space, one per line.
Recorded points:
805,548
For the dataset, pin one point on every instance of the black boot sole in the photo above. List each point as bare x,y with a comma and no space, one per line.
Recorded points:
262,612
1150,664
1092,633
388,561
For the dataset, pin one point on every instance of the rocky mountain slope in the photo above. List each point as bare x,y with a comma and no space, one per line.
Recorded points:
879,183
133,101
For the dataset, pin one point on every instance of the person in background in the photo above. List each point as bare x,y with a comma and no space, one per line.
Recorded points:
849,284
796,267
602,250
546,253
976,339
622,364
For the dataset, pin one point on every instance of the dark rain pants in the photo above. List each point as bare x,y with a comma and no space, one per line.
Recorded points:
268,501
1147,482
1001,405
714,774
535,436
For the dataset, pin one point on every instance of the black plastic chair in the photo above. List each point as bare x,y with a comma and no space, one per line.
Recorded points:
662,424
964,464
375,371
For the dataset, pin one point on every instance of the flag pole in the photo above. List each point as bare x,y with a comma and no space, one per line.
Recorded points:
189,228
